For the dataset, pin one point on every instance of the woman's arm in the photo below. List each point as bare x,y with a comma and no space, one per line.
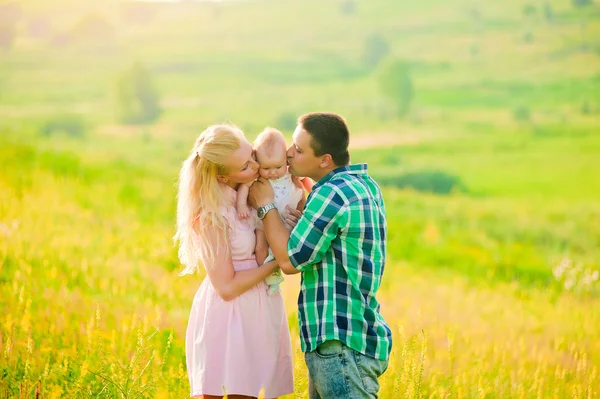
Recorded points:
291,217
261,249
228,283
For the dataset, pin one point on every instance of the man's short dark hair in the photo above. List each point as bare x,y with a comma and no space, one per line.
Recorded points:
329,133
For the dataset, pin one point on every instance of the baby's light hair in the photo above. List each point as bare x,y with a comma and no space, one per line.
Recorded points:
268,140
200,197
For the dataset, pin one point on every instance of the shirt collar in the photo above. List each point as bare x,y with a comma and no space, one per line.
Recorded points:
354,169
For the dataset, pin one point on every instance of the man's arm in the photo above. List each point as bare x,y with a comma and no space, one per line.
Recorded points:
324,219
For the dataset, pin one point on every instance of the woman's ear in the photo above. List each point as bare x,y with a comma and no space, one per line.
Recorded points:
222,178
326,161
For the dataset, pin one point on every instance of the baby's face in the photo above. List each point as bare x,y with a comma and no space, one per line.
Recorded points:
272,165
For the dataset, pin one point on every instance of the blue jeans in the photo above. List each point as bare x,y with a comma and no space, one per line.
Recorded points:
338,372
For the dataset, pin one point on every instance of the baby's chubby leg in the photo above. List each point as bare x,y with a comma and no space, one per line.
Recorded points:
274,279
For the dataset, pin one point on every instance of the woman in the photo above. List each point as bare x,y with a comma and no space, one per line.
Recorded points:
237,340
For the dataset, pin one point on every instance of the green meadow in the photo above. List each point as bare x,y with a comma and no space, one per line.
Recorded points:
486,142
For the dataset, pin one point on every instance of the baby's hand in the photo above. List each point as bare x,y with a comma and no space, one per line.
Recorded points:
243,212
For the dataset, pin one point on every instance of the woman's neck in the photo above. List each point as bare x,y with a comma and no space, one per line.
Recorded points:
233,185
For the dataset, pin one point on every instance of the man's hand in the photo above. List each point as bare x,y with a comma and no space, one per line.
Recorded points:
291,217
261,193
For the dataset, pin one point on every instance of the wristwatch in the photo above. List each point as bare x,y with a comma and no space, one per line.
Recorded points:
261,212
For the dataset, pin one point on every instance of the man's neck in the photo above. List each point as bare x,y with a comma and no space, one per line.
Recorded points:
324,172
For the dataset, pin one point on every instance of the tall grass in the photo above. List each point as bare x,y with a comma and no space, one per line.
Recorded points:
93,306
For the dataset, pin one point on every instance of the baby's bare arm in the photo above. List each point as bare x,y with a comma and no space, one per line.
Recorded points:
307,183
301,203
242,201
242,195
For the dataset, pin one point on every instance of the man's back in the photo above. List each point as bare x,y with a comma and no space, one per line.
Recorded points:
339,244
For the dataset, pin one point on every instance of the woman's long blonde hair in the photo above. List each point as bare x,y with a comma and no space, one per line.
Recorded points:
200,196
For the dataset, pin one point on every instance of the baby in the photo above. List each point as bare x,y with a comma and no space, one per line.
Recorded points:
271,154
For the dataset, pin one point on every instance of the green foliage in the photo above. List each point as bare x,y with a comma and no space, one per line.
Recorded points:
348,7
71,125
89,221
430,181
477,20
286,122
521,113
581,3
528,37
376,48
548,12
529,10
586,108
137,98
396,83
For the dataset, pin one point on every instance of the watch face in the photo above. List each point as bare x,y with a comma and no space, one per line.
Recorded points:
260,213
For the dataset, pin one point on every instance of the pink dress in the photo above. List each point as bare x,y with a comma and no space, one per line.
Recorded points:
241,346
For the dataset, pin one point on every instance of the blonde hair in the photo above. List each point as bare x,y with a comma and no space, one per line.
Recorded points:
269,139
200,196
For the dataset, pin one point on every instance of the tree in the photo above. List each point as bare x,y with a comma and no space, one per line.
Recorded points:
548,12
529,10
376,48
396,83
287,121
581,3
347,7
137,99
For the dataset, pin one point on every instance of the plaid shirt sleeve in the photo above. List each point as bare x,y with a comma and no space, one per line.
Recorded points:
324,215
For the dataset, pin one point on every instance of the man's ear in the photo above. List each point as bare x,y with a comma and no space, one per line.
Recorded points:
326,161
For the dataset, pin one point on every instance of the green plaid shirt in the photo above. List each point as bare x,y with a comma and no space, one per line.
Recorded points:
339,246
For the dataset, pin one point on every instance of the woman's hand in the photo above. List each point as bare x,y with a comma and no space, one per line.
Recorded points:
291,217
261,193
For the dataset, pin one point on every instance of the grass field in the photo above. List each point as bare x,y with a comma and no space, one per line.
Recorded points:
491,184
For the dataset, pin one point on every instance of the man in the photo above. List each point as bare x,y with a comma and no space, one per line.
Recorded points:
338,244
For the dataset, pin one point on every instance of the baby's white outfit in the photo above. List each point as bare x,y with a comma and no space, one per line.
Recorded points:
286,193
